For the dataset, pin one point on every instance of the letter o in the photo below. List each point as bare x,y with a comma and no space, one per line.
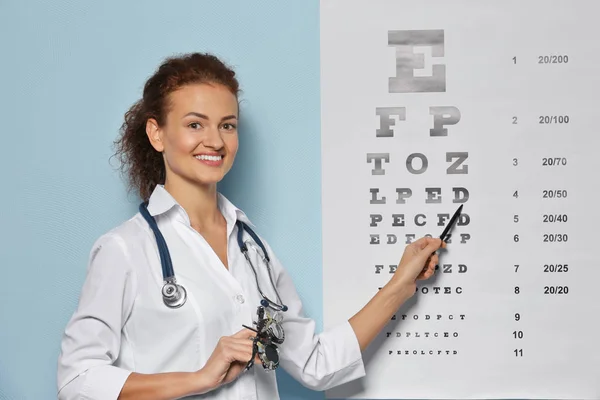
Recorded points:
409,162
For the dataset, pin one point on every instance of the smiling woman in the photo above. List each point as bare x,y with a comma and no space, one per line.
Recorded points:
186,138
193,98
169,307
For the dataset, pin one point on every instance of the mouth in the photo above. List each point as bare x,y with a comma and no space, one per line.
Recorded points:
213,160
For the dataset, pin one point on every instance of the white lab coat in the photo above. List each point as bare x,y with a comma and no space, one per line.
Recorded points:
121,324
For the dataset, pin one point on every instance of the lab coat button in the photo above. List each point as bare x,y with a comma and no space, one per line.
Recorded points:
240,298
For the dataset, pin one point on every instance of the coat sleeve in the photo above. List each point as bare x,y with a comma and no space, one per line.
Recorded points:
91,340
319,361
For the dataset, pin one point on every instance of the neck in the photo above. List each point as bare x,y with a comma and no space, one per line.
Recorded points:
198,201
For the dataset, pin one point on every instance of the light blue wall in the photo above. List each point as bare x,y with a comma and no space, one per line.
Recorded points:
68,71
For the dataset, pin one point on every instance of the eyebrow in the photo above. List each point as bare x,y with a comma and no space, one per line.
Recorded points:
195,114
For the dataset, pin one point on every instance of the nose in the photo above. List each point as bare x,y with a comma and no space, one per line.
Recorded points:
213,138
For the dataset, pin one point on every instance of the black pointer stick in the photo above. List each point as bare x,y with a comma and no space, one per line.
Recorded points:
451,223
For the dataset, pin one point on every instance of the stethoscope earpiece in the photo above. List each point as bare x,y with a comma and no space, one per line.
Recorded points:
266,303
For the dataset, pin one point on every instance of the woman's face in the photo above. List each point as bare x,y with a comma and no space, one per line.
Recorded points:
199,139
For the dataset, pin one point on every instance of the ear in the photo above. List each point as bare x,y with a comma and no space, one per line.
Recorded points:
154,134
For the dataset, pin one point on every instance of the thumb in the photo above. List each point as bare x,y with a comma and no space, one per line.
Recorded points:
432,244
435,244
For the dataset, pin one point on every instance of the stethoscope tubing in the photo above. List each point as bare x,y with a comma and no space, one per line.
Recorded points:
163,250
266,301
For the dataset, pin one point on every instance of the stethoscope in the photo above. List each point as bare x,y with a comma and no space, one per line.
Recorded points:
174,294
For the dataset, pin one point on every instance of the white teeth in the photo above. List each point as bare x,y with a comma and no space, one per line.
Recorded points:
209,158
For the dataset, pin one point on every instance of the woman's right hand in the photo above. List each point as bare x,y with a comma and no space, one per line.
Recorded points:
417,263
228,359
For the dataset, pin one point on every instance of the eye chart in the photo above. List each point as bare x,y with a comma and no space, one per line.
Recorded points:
427,105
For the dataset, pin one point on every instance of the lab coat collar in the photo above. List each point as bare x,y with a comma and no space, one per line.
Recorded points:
161,201
230,211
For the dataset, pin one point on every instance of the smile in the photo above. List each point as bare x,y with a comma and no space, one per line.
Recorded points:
212,160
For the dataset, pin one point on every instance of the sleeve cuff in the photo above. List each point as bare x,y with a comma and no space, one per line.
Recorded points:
347,350
104,382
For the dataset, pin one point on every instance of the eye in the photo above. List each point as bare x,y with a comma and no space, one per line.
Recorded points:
228,126
195,125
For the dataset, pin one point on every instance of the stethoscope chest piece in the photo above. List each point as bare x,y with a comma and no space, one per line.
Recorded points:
174,295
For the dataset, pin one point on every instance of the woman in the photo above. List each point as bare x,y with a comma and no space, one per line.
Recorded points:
124,342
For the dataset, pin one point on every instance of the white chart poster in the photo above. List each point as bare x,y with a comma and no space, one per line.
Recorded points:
427,105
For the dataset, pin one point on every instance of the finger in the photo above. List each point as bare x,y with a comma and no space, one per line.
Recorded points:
228,342
428,244
433,261
421,243
234,353
431,265
426,273
241,356
241,342
429,273
432,244
428,265
244,333
242,346
423,273
432,257
238,352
